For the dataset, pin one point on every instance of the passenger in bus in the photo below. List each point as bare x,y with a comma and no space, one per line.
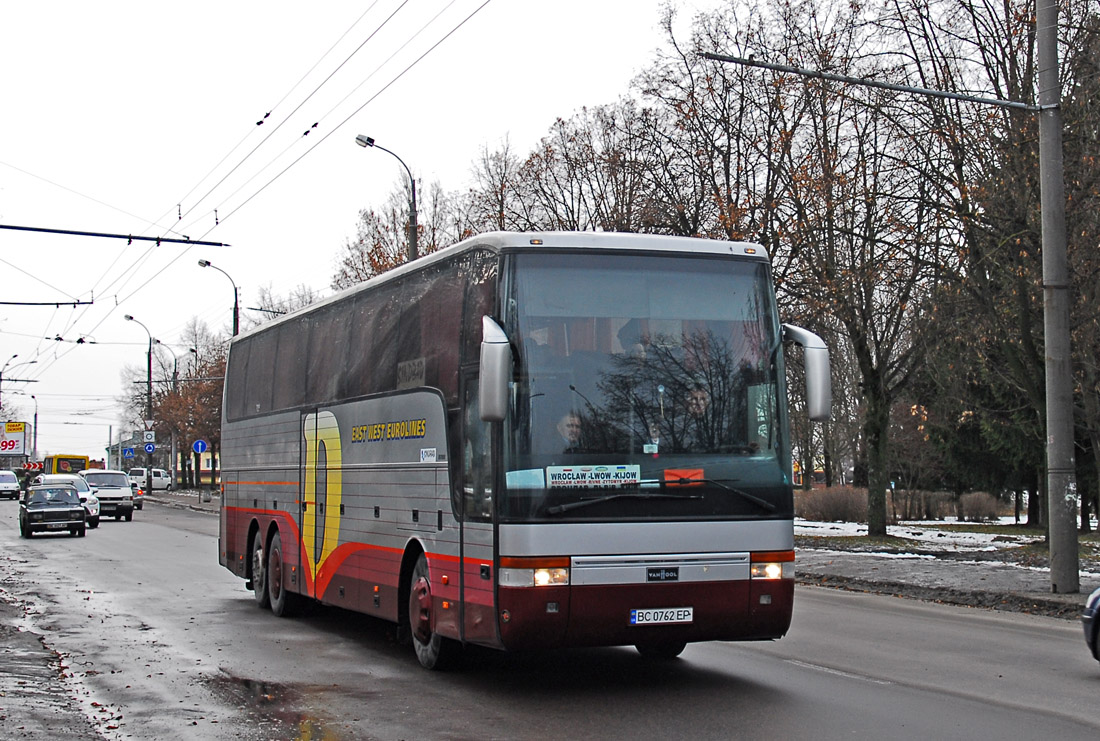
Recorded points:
569,432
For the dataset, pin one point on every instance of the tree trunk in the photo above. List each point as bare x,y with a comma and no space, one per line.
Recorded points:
1035,501
875,427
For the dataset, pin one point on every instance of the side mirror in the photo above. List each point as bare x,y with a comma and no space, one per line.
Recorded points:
496,371
819,387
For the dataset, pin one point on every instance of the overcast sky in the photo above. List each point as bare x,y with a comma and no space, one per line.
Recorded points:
121,116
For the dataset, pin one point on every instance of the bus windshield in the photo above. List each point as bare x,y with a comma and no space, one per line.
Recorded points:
646,387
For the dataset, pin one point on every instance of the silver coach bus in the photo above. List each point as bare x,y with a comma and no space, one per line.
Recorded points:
526,441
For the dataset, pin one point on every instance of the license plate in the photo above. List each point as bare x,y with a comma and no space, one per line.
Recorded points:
56,526
661,615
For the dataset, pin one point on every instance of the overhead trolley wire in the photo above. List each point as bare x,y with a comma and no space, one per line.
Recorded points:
377,69
286,118
350,116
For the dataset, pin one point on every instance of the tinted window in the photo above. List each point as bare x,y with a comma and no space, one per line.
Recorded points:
289,365
326,363
107,479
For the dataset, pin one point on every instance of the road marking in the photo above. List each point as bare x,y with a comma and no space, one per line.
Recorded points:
837,672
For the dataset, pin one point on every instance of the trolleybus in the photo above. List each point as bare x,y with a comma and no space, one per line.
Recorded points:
526,440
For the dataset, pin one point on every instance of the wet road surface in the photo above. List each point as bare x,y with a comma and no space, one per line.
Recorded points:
155,640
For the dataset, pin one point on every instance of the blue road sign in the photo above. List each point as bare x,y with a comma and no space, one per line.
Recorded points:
127,452
199,446
150,447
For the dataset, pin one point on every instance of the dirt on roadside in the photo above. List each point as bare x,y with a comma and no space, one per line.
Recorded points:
35,701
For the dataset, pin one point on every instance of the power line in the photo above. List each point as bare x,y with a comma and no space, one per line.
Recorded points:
106,235
304,101
352,114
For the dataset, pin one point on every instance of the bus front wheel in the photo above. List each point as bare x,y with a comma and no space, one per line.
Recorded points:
433,651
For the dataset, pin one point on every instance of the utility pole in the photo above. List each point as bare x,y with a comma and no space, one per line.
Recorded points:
1062,498
1061,477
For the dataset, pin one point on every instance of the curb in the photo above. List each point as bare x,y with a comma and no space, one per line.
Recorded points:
211,508
1029,603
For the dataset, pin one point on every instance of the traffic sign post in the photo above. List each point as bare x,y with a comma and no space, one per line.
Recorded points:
200,447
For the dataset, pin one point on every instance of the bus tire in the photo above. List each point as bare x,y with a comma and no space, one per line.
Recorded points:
259,572
661,651
283,602
433,651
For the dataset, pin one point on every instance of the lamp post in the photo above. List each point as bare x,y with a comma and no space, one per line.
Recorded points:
34,433
366,141
236,301
148,400
5,368
175,390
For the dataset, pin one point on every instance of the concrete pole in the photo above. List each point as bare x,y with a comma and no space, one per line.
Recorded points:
1061,479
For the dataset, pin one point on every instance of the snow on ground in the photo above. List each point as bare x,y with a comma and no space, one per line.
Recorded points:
929,534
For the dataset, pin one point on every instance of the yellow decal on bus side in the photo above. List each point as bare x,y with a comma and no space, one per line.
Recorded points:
321,429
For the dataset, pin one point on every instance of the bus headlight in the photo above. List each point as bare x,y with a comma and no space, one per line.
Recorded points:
772,565
533,572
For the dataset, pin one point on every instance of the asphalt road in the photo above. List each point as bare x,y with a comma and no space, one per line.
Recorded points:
154,640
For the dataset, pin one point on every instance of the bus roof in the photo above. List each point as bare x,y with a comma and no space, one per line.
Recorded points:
519,241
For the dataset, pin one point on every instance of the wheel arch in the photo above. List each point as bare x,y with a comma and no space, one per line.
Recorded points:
253,533
413,550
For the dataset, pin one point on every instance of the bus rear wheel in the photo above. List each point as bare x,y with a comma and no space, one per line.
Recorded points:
283,603
433,651
259,573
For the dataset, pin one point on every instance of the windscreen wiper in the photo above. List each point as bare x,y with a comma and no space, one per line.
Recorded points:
763,503
557,509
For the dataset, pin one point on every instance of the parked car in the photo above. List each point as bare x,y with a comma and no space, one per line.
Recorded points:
51,508
116,497
160,478
1091,620
87,496
9,485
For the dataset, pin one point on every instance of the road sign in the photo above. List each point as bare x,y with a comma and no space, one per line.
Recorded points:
149,448
127,452
149,424
199,446
150,436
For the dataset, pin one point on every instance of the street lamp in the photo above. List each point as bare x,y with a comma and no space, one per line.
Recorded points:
5,368
34,433
175,390
148,400
236,303
366,141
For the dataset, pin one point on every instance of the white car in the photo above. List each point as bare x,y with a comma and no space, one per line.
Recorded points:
9,485
116,498
161,479
87,496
